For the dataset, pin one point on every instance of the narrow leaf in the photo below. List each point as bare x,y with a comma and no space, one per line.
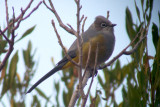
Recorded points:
155,36
41,93
13,68
129,24
137,10
29,31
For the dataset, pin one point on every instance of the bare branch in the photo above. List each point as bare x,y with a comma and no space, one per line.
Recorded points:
52,9
95,66
4,36
135,47
18,20
61,44
81,18
21,15
107,14
11,43
76,94
88,58
83,24
124,50
34,9
7,18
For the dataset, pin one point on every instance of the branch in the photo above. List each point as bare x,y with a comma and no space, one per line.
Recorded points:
11,43
12,30
34,9
61,44
107,14
52,9
7,18
4,36
79,44
124,52
83,24
86,97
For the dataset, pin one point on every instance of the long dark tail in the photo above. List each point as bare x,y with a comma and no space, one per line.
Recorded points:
54,70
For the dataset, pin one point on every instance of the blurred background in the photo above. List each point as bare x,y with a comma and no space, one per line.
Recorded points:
49,52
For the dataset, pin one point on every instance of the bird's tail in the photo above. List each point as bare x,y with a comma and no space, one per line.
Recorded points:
54,70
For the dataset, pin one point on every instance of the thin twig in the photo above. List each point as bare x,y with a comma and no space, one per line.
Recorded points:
21,15
79,45
88,58
4,36
61,44
52,9
18,20
34,9
81,18
124,50
7,18
107,14
11,44
95,66
83,24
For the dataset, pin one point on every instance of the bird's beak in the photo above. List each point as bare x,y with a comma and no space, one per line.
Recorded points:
113,25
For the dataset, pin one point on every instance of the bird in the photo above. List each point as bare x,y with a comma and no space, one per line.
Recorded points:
101,31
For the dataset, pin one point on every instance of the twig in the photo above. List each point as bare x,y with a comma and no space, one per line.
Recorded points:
34,9
61,44
79,45
83,24
52,9
11,43
88,58
4,36
7,18
107,14
124,50
18,20
95,66
81,18
76,94
24,11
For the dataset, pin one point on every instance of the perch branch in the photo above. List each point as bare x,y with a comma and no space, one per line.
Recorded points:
86,97
124,52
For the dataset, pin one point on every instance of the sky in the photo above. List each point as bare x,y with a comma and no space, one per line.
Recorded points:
45,41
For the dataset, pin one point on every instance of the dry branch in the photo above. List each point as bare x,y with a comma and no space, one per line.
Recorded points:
82,81
124,51
52,9
61,44
15,23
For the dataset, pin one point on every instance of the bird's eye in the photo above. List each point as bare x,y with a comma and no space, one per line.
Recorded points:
103,25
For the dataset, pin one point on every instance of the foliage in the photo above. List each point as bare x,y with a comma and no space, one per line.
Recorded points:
141,74
142,78
12,84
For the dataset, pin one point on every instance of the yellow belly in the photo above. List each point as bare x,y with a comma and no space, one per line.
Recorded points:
102,52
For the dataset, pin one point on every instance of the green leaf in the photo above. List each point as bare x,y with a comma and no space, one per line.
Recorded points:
2,46
142,3
100,81
159,21
29,31
13,68
155,35
35,102
27,56
41,93
137,10
129,24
